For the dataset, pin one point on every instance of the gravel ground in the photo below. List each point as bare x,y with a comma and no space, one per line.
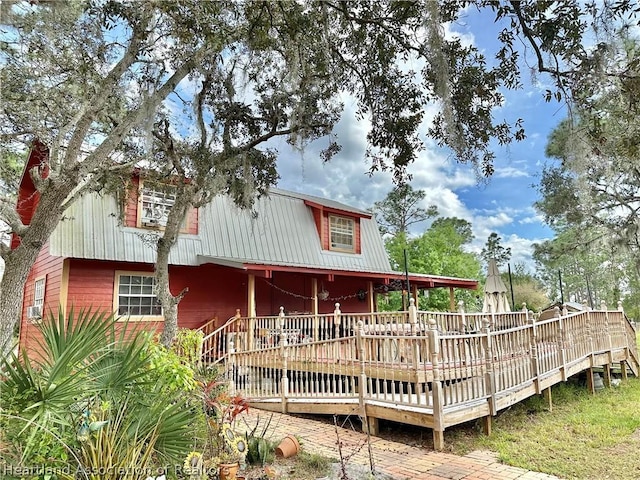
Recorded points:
354,472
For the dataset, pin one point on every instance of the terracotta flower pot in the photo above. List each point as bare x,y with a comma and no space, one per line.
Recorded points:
288,447
228,471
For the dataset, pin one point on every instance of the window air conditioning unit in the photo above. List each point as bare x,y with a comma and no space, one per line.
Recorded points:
34,311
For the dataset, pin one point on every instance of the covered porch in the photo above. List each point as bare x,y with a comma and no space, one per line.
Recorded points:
308,291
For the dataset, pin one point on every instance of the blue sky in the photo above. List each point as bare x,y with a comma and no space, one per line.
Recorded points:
503,205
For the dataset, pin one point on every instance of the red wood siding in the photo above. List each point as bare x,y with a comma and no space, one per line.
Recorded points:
342,290
214,292
317,218
28,196
131,209
131,203
50,268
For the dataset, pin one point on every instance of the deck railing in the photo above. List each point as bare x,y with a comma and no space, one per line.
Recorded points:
448,367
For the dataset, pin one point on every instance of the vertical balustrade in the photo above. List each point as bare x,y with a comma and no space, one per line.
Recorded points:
284,354
415,348
533,342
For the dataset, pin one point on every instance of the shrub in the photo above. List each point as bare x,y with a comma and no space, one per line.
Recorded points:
115,400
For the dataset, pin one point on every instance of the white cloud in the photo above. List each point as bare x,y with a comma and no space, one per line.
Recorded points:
510,172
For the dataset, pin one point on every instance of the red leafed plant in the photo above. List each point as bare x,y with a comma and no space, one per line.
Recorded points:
219,404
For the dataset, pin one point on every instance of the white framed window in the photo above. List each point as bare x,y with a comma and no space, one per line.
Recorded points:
341,233
38,292
136,295
156,203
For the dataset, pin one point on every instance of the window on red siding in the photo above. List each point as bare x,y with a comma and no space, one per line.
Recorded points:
38,293
157,201
341,233
137,296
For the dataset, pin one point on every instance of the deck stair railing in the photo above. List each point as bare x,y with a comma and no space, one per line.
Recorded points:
218,342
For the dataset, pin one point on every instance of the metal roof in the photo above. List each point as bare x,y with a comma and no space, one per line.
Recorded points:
280,232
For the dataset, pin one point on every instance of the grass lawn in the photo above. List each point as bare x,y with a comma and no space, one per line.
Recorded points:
585,437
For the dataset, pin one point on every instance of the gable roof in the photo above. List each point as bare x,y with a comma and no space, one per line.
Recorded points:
280,231
280,234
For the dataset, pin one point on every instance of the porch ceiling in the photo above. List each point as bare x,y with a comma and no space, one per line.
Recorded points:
421,281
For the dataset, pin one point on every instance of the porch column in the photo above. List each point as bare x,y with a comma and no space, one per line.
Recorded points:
251,296
372,297
414,292
452,300
251,310
314,309
314,296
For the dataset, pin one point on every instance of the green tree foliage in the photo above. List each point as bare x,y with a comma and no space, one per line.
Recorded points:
592,268
526,289
594,181
400,209
105,85
439,251
589,192
11,166
494,249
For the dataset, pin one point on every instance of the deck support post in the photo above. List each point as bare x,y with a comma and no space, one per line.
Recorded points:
462,325
533,342
369,424
487,424
590,383
314,309
609,340
336,329
548,398
489,377
371,297
230,366
452,300
606,374
562,345
284,353
415,345
436,388
371,427
623,370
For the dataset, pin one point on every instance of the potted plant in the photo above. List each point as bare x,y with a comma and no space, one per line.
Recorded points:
232,450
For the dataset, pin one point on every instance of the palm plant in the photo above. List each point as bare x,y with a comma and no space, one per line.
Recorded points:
91,384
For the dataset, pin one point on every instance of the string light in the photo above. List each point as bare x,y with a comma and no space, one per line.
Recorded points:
327,299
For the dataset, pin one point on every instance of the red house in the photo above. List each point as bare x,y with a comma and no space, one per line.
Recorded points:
301,252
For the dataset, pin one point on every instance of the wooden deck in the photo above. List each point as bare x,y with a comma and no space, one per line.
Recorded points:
430,369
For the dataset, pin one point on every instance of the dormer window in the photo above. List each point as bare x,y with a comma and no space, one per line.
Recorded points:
157,201
341,233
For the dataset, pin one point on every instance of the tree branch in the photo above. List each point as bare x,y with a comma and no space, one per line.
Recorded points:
11,217
530,36
134,117
92,106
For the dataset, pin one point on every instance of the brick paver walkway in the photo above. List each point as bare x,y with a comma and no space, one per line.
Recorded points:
402,462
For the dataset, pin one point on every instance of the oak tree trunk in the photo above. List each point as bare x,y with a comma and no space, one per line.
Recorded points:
166,242
18,262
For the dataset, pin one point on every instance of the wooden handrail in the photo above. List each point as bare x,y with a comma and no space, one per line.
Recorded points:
208,327
407,361
212,342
